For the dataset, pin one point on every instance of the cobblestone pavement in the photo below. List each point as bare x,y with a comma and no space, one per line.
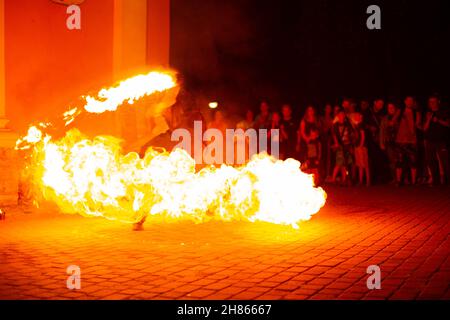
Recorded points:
404,231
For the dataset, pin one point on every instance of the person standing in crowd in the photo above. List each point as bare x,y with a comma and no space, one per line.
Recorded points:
245,124
351,111
275,125
343,146
248,122
388,132
313,158
327,118
379,162
349,105
220,123
308,123
376,114
406,141
336,110
365,109
361,153
288,132
327,140
263,121
436,129
346,104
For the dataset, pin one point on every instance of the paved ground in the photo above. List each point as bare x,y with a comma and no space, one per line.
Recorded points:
404,231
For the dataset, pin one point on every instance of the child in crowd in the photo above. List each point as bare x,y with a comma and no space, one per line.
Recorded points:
313,158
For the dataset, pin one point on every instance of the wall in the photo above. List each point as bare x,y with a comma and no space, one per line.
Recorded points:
158,32
47,65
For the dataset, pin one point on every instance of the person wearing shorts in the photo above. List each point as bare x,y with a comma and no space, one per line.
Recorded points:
406,142
343,145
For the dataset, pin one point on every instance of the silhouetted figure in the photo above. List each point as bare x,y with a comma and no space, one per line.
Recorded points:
437,127
388,133
406,141
288,133
343,135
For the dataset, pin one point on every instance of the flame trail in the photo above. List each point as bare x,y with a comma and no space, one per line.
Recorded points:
93,177
108,99
129,90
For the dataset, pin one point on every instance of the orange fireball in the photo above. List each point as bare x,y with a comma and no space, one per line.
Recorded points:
93,177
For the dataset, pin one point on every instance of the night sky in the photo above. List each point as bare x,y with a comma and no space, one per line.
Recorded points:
309,51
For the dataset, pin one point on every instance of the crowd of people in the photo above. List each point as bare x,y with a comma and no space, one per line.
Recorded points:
360,143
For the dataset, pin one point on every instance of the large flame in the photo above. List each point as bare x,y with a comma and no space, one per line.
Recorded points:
93,177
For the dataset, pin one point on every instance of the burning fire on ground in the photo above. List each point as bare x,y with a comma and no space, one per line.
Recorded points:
93,177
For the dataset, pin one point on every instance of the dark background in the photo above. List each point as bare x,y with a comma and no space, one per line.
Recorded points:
309,51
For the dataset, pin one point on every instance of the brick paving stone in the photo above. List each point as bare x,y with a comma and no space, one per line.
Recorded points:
246,295
201,293
405,231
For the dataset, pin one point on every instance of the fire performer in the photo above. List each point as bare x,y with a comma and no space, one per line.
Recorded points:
164,140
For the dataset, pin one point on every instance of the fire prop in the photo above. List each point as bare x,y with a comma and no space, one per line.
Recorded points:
93,177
